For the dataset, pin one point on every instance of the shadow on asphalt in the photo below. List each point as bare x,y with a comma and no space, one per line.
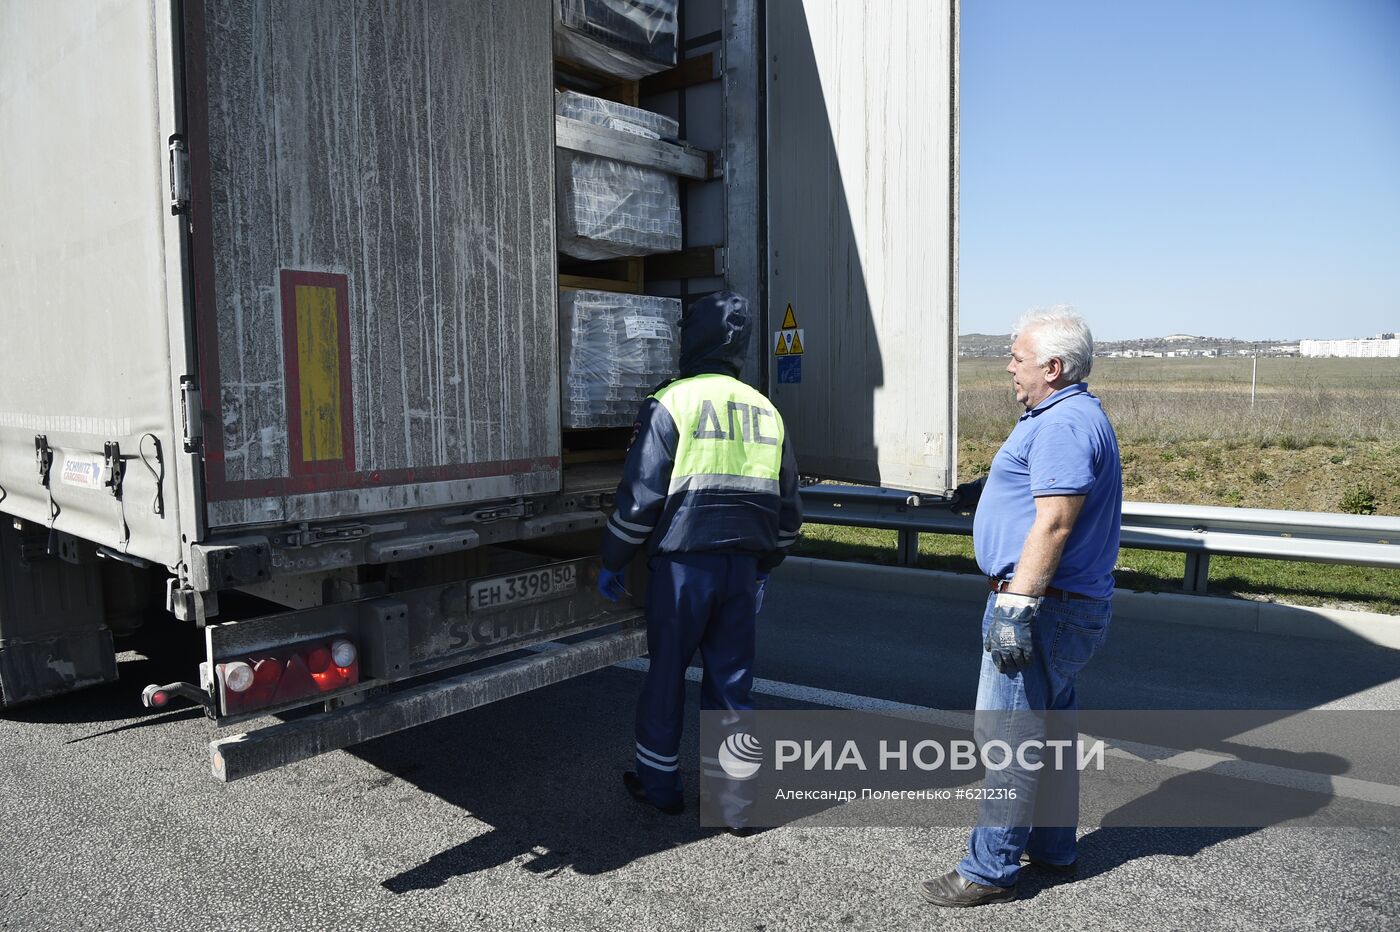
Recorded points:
544,772
154,718
501,846
1107,848
163,650
111,702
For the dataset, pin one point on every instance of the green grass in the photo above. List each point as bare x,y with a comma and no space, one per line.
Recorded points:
1321,435
1364,588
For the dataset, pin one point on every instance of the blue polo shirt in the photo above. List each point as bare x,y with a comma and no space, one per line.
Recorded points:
1062,446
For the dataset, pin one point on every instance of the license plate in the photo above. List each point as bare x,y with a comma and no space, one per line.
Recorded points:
537,585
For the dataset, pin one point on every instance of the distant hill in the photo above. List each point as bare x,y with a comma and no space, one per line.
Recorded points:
984,344
999,344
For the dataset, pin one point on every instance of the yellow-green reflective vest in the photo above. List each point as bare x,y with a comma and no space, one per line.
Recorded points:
730,435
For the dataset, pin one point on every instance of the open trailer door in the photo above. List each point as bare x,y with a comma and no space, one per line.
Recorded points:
374,255
861,168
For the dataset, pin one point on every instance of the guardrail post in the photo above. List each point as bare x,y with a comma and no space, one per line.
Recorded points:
1197,572
908,547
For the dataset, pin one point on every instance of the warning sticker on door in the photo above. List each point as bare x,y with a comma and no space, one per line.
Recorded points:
789,340
84,472
787,343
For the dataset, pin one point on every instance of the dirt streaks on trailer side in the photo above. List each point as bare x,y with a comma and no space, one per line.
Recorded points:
403,152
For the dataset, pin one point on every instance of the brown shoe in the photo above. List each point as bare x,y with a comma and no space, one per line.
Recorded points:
955,890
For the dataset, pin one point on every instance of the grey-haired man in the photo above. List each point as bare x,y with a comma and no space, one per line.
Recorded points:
1046,536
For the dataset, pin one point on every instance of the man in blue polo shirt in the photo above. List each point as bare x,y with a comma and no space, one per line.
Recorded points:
1046,535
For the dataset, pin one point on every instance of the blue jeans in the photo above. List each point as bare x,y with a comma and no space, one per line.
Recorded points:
1066,633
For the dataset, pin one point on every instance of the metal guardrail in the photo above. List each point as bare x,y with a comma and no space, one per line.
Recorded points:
1199,531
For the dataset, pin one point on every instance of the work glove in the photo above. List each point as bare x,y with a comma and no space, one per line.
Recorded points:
612,586
1009,634
966,496
758,596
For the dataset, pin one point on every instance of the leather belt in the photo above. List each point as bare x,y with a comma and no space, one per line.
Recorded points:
1051,592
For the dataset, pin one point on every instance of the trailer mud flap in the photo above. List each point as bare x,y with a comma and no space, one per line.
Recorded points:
247,754
53,634
43,667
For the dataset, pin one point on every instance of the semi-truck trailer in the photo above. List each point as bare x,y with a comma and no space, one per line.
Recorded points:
280,291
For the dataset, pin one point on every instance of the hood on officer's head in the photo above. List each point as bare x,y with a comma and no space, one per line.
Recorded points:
715,334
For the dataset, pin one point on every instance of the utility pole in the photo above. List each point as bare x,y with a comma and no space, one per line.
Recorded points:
1253,381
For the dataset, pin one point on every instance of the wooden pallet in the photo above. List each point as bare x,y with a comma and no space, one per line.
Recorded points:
571,76
627,275
624,275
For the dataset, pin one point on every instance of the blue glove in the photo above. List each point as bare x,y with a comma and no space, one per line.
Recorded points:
758,596
1009,634
612,586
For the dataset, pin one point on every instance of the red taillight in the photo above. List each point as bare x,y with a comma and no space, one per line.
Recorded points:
155,697
296,682
267,673
287,676
318,660
330,678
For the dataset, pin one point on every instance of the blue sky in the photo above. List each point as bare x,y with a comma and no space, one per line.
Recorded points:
1227,168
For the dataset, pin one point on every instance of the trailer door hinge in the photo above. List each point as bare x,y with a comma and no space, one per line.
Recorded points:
519,509
516,509
721,261
192,414
179,175
305,536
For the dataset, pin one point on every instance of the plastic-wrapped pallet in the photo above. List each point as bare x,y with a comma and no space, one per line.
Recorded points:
615,348
614,115
625,38
609,209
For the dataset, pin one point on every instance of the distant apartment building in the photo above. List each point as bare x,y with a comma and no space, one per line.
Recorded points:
1381,346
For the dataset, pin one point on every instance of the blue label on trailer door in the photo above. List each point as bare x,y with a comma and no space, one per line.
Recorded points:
789,370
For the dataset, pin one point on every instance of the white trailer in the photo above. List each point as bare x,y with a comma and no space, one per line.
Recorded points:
279,289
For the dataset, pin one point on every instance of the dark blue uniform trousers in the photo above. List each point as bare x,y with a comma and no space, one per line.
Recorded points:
694,600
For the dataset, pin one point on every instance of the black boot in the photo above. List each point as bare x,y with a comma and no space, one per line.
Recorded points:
634,787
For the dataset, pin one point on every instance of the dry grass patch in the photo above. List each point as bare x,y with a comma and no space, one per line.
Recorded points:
1323,434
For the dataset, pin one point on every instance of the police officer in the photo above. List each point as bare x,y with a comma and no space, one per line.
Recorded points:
710,488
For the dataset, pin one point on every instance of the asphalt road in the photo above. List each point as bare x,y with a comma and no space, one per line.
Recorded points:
512,816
